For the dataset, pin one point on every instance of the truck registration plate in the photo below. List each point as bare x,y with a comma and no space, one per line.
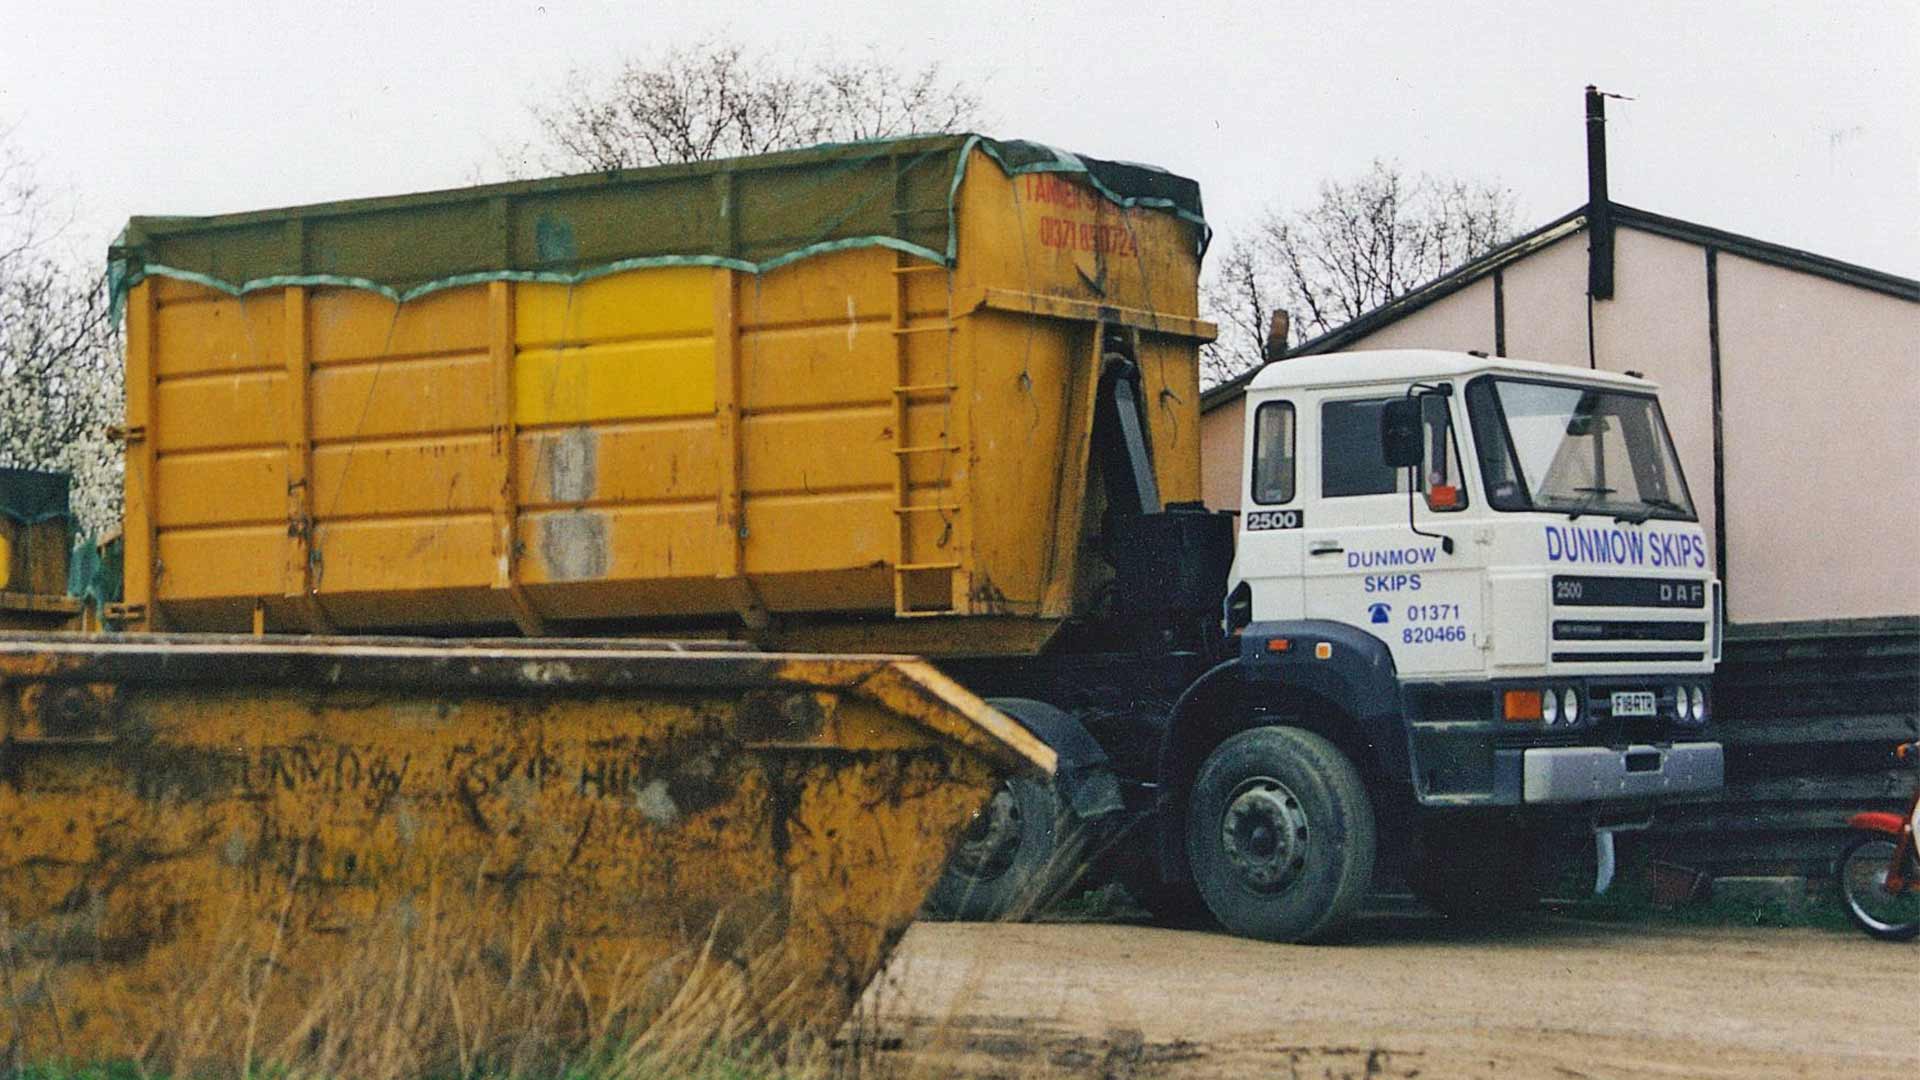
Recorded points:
1639,703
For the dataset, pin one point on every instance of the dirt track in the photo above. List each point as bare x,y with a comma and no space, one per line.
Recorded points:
1406,997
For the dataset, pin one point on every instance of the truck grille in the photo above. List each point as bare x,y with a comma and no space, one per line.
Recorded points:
1627,630
1641,657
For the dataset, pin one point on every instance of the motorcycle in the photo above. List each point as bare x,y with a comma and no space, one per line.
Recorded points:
1879,872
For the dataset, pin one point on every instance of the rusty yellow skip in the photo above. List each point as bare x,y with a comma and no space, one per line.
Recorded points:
200,838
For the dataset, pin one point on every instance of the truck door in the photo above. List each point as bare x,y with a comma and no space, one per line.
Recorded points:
1364,566
1268,555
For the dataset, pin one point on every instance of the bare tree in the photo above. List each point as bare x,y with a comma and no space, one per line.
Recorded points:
1363,242
60,377
718,100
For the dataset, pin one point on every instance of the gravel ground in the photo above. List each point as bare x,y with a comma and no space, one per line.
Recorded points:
1404,996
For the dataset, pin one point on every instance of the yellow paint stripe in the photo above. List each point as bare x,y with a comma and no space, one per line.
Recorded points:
629,380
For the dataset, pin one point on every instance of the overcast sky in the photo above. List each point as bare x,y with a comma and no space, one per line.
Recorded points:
1795,123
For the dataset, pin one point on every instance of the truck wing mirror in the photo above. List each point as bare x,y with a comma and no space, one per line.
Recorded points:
1400,433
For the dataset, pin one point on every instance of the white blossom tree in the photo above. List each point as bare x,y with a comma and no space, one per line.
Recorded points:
60,375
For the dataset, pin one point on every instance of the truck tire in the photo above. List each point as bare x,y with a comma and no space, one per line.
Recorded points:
1477,871
1004,866
1280,835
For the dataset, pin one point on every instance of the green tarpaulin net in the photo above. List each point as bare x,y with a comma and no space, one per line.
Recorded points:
750,214
95,573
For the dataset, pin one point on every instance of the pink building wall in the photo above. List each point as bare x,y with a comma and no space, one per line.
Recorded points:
1821,392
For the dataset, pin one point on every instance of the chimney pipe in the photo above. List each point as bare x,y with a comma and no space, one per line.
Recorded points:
1599,207
1277,335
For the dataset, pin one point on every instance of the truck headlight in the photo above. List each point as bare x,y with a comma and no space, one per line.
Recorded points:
1549,708
1699,704
1682,705
1570,704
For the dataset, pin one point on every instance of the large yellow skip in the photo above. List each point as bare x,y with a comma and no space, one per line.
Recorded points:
232,849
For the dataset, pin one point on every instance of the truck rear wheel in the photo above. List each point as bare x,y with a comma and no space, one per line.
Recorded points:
1280,835
1004,865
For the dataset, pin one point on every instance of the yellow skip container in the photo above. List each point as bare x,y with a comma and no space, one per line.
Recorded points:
226,850
838,398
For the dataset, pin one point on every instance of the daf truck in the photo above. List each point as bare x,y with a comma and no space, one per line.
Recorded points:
940,396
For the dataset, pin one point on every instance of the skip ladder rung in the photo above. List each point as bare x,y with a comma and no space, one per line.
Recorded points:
921,268
943,328
926,388
928,566
942,448
930,508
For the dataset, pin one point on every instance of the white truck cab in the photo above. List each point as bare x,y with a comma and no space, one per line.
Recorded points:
1521,538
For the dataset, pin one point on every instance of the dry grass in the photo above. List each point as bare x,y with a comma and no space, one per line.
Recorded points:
424,994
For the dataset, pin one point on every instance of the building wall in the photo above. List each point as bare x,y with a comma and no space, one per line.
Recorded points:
1820,395
1546,301
1223,443
1462,321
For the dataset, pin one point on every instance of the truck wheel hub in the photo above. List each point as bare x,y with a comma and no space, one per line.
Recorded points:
987,849
1264,834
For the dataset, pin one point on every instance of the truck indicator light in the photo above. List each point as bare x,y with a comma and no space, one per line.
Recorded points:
1322,650
1278,644
1523,706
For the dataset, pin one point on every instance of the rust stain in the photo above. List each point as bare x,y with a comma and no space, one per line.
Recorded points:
147,880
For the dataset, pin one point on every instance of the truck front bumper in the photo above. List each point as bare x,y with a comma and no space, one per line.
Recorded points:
1574,774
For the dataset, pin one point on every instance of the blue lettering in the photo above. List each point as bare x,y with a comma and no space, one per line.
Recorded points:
1577,544
1392,583
1396,557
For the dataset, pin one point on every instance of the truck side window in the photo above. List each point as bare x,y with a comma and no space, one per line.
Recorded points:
1350,452
1440,477
1273,453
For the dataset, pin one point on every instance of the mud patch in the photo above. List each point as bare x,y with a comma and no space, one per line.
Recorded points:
571,461
574,546
996,1046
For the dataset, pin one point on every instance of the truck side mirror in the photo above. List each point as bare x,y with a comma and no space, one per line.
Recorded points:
1400,433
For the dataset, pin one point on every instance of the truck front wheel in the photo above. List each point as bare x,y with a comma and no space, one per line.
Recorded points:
1280,835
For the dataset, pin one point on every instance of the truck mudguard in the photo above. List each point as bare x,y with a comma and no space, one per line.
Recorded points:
1343,664
1356,675
1084,776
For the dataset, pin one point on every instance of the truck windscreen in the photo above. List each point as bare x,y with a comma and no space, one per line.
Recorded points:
1576,449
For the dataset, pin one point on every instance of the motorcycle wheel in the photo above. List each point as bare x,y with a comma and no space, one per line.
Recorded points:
1863,876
